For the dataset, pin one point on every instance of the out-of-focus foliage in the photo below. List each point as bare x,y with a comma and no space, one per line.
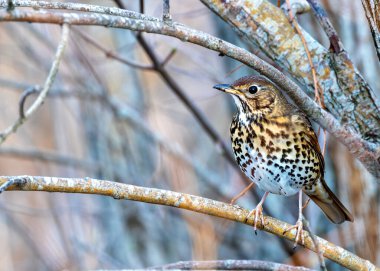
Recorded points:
40,231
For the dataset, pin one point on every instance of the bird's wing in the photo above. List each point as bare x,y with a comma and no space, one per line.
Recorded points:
310,137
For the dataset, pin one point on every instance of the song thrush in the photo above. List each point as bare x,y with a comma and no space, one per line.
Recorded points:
276,147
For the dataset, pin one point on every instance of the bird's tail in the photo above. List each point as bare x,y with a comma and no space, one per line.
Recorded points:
321,194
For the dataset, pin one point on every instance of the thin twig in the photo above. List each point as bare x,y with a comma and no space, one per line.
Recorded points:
294,22
112,54
126,113
181,94
168,57
335,42
10,6
183,201
371,18
48,156
48,83
166,11
21,104
231,265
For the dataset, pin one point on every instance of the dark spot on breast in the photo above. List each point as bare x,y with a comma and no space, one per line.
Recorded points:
269,132
262,141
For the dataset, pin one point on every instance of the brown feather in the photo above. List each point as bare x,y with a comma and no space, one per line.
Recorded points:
329,203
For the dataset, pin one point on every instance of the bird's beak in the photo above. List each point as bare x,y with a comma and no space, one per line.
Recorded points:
226,88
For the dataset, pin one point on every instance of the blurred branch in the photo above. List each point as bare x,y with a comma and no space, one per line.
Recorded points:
48,156
159,67
121,113
166,11
368,153
48,83
181,94
335,42
231,265
112,55
32,244
373,18
182,201
128,114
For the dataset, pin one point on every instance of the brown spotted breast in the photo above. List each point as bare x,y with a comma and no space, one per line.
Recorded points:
274,153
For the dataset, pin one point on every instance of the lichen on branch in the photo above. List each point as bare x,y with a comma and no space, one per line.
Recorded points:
193,203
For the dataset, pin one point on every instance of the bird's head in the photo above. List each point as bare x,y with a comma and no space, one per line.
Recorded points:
255,95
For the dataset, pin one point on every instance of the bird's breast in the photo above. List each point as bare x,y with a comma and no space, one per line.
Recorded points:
274,155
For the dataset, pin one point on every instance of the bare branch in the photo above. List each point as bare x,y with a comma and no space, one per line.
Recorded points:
48,156
82,8
112,54
182,201
166,11
48,83
372,17
231,265
29,91
335,42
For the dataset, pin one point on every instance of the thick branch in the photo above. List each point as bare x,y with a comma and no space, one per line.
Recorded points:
367,153
182,201
346,94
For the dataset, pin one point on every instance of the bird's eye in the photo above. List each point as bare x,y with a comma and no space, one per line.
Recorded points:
253,89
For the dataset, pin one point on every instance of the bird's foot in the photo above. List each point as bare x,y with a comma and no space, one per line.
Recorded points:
258,213
299,232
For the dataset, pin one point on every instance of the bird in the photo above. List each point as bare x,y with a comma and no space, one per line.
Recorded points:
276,147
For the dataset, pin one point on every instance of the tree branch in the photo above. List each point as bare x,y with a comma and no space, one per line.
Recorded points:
346,94
231,265
373,18
48,83
182,201
368,153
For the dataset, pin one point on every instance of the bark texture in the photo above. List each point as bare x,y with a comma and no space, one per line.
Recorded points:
346,94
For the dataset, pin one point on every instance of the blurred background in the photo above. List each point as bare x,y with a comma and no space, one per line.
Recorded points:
111,116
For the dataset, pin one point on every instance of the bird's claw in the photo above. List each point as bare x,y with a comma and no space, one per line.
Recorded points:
299,233
257,212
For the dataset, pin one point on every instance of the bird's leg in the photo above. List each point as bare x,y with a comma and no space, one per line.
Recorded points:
242,193
258,211
299,224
